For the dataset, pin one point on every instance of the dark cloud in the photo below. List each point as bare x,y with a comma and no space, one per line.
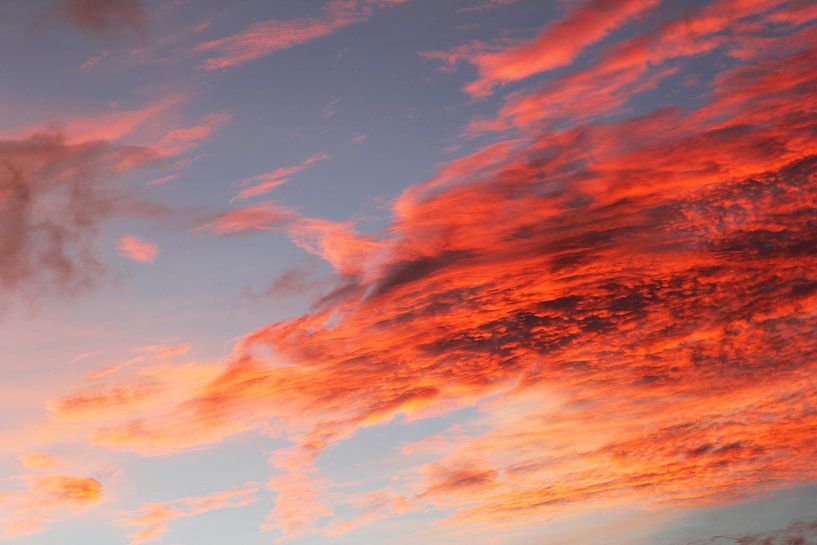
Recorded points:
53,196
107,17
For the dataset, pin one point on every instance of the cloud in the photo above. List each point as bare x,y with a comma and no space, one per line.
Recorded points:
45,500
107,17
53,196
486,5
39,460
640,62
136,249
162,351
181,140
336,242
797,533
263,183
89,64
626,303
556,46
58,185
298,502
266,216
105,126
153,519
267,37
292,282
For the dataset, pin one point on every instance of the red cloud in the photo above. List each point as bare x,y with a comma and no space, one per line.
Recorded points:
557,45
629,305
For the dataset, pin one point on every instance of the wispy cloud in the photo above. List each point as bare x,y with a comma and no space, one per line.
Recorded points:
153,519
267,37
556,46
263,183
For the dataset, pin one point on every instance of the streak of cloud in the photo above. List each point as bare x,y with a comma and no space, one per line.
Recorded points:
267,37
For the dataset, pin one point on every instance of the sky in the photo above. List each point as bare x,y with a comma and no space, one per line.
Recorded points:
457,272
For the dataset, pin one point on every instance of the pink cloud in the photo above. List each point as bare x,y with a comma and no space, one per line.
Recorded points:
182,140
45,499
263,183
39,460
266,216
110,126
136,249
164,179
267,37
153,519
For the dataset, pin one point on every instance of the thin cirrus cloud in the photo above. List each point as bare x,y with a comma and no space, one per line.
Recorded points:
39,460
267,37
611,268
264,183
486,5
265,216
153,520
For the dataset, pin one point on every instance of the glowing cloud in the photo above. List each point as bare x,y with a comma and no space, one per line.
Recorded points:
136,249
263,183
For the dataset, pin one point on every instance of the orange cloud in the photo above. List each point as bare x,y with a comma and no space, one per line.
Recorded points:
136,249
628,304
163,351
45,500
153,519
38,460
556,46
639,63
336,242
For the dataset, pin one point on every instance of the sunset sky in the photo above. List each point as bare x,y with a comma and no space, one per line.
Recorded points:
401,272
